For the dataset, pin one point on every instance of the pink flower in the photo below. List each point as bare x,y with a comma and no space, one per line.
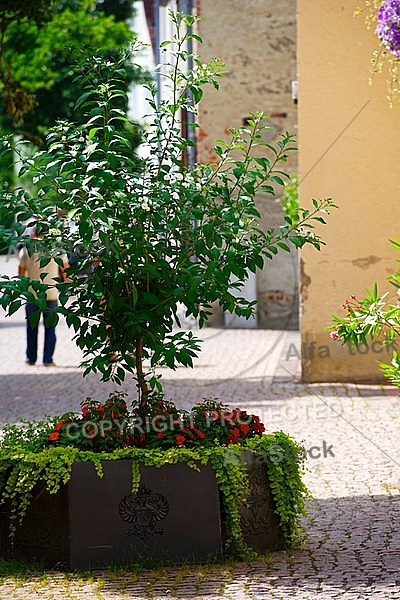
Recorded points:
334,335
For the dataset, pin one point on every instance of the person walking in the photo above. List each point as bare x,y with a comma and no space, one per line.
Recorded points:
29,266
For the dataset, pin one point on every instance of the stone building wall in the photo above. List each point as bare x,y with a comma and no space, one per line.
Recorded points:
257,41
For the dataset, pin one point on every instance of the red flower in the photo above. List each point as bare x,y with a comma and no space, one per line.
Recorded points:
54,435
258,427
233,438
59,425
215,415
199,433
180,439
229,418
160,435
90,431
244,429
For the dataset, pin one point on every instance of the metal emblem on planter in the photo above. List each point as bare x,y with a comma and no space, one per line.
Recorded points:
143,510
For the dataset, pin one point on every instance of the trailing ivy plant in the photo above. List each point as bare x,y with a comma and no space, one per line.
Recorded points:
148,235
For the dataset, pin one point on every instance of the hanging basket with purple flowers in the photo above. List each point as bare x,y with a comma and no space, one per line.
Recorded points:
388,26
383,16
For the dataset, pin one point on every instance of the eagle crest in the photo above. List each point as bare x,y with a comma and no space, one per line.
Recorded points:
144,509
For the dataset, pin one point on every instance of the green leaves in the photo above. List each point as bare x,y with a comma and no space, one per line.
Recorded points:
82,99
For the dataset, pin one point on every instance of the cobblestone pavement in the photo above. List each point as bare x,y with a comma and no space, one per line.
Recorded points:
353,547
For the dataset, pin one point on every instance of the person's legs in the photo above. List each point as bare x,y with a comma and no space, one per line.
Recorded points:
49,335
31,334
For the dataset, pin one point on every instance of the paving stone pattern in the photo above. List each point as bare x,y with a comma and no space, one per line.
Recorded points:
353,526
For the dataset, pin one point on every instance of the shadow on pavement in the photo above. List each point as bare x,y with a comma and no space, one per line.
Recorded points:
38,390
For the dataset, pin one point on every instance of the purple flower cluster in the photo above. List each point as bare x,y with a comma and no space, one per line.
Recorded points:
388,27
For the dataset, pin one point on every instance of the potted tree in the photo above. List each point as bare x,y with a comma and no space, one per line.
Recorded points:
144,236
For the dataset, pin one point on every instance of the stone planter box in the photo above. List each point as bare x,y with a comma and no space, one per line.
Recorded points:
176,516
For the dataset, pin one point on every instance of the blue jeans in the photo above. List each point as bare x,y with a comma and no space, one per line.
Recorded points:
32,334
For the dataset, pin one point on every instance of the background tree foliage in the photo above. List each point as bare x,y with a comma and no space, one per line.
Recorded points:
17,10
40,44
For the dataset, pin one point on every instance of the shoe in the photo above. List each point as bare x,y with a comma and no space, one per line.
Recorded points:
50,364
29,362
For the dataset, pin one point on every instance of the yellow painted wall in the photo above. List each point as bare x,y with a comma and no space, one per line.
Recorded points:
349,148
